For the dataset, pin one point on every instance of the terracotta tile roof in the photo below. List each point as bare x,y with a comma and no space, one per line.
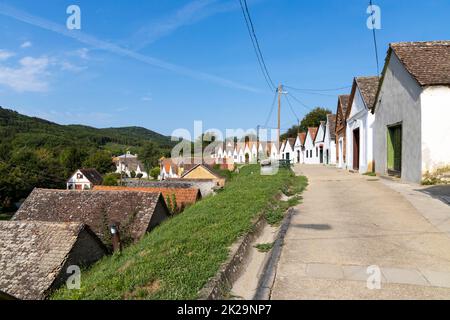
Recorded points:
368,86
184,196
33,254
302,137
428,62
291,142
133,211
93,176
158,184
313,133
331,119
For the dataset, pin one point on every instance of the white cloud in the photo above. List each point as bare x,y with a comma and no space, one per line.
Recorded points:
68,66
26,44
29,76
147,99
118,50
5,55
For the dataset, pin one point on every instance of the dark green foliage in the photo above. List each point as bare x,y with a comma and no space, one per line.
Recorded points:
111,179
264,247
39,153
311,120
155,172
150,155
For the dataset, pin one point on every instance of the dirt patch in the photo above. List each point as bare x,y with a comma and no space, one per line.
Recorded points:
143,291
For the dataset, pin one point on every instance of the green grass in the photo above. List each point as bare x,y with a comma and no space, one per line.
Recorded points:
176,259
264,247
370,174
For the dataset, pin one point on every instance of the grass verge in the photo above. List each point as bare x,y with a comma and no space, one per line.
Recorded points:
178,258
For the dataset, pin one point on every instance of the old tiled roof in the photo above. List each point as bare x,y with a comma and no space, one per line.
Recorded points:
302,137
343,100
131,163
313,133
331,119
132,211
158,184
428,62
93,176
183,196
368,86
291,142
32,255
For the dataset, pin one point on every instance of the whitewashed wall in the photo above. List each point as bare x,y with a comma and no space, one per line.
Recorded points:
435,128
399,102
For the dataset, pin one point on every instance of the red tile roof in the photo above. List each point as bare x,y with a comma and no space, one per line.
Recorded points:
184,196
313,133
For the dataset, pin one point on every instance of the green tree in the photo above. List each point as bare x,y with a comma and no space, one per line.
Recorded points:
71,159
149,156
312,119
100,160
155,172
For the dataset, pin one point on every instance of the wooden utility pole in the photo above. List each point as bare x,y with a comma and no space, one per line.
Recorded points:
280,92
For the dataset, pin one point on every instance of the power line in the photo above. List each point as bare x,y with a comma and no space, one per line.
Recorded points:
255,43
300,102
319,90
292,108
271,109
374,37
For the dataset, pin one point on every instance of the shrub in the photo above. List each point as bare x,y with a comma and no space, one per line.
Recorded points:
133,174
155,172
111,179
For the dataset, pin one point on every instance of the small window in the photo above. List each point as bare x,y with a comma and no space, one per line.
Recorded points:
79,176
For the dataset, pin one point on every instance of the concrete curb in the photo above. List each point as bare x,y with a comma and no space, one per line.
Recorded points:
267,279
218,286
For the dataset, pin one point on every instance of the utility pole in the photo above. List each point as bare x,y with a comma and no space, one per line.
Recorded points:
280,92
257,143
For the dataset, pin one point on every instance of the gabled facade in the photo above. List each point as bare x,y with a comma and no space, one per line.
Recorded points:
84,179
319,143
310,150
360,124
341,130
128,163
412,110
299,148
288,151
330,140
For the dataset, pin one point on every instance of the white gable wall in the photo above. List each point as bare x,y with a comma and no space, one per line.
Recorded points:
360,118
330,147
435,128
399,102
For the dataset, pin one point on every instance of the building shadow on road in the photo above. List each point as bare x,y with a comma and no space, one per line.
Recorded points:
319,227
441,193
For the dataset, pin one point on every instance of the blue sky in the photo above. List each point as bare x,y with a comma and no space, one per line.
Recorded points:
164,64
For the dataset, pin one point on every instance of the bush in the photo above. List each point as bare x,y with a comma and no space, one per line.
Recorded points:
133,174
111,179
155,172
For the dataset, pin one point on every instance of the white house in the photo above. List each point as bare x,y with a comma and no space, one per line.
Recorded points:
330,140
319,143
412,110
310,150
273,151
129,163
299,148
169,169
341,130
360,124
288,151
84,179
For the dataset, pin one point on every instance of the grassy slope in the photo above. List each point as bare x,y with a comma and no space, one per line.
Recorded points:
177,259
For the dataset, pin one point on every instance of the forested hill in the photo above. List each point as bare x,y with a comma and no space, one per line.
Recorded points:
39,153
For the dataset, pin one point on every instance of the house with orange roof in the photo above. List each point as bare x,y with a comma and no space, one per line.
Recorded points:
299,148
310,148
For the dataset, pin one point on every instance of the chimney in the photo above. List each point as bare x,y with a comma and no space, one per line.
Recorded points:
115,235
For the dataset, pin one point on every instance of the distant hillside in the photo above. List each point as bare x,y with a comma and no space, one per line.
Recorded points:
38,153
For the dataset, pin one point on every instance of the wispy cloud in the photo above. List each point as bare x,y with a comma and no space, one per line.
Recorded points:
113,48
26,44
5,55
193,12
29,76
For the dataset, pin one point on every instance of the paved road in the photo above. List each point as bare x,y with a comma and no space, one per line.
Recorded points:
348,222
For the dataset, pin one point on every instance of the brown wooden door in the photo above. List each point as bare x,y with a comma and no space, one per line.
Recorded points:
356,149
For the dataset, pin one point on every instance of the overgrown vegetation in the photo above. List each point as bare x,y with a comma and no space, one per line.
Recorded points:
439,176
39,153
176,259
